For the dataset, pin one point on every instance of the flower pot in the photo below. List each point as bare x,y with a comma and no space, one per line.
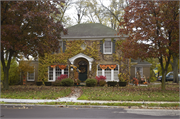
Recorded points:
38,83
122,84
47,83
112,83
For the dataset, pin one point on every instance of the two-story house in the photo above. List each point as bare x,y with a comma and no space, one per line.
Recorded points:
108,62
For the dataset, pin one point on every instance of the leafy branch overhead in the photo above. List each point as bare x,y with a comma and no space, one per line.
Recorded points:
28,28
153,29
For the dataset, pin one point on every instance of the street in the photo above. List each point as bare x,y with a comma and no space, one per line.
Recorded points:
24,112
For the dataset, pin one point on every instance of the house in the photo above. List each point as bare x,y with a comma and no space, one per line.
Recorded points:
94,54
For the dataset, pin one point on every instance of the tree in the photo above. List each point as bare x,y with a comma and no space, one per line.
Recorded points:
28,28
116,11
63,7
14,77
153,30
81,10
96,13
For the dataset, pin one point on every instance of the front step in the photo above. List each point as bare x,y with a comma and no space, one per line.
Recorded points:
82,83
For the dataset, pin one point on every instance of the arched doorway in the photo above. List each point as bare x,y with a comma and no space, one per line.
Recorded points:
83,70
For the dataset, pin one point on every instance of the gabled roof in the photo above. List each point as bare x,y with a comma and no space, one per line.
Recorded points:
90,30
141,62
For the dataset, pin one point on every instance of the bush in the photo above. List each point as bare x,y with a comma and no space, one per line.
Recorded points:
67,82
91,82
56,83
62,76
102,83
101,78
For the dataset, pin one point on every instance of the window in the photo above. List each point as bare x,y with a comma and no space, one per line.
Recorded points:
111,75
108,74
50,73
107,47
54,72
31,76
140,69
58,72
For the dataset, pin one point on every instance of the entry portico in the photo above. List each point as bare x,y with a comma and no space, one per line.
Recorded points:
83,56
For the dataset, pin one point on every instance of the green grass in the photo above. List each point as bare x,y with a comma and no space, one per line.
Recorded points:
131,93
35,92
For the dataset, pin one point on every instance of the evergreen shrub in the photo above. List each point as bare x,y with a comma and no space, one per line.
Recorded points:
56,83
67,82
91,82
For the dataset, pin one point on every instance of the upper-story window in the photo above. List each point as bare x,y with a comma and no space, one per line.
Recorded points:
107,47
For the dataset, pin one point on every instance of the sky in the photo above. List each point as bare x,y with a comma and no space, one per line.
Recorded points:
73,13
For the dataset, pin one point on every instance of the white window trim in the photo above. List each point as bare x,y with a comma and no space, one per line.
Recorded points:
136,71
104,48
112,72
28,76
54,73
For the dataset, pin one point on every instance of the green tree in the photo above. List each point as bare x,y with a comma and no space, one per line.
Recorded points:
116,11
14,76
27,27
154,62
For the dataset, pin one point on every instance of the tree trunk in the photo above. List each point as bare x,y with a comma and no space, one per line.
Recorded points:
6,67
164,71
163,80
6,77
175,69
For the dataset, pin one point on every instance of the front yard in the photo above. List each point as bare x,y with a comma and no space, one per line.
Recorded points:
128,93
35,92
131,93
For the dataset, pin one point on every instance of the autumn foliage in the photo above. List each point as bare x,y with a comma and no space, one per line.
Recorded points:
153,31
27,27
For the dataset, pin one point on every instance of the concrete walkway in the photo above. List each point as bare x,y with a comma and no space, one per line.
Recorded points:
66,99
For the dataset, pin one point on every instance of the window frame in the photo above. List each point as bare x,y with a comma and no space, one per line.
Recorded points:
140,72
98,72
54,73
104,47
33,76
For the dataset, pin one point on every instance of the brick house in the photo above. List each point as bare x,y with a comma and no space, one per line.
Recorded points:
90,67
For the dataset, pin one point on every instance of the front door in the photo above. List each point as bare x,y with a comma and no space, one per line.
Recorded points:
83,73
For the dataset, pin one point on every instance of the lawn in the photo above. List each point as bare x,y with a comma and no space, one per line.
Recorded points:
35,92
131,93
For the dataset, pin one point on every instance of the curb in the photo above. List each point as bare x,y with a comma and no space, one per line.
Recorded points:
87,106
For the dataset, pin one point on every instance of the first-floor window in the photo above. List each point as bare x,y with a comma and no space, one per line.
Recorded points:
55,72
110,73
50,73
140,70
31,76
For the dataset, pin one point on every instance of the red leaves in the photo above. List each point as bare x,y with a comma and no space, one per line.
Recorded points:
24,22
150,21
100,78
62,76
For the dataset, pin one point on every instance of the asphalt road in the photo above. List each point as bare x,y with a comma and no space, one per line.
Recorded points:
50,112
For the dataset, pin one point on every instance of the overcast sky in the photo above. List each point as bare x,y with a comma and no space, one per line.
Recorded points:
73,13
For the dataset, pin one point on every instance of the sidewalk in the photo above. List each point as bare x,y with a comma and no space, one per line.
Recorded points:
74,99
